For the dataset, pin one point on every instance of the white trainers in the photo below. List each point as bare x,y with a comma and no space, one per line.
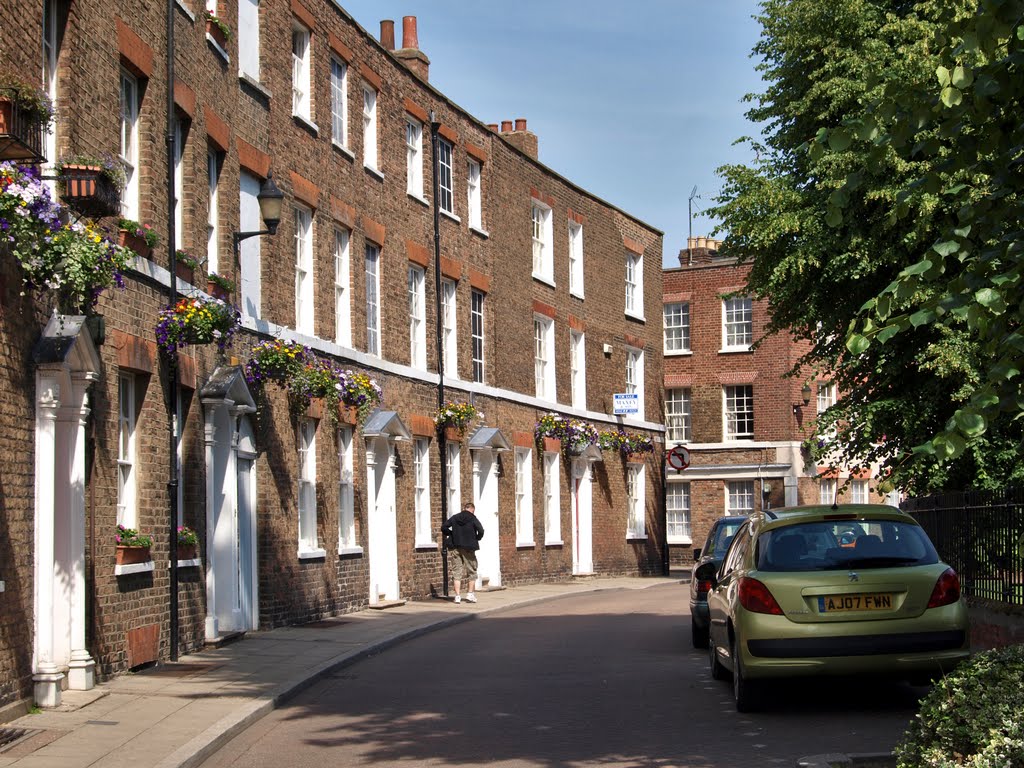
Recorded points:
470,598
458,598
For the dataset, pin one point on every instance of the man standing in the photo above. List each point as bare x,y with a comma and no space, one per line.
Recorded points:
462,533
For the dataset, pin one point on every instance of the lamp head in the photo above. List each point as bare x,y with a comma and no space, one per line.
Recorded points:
805,391
270,199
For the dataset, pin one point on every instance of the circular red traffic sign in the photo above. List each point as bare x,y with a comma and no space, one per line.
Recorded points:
679,458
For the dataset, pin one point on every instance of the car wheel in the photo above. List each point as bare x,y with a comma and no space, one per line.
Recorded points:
742,688
699,635
718,672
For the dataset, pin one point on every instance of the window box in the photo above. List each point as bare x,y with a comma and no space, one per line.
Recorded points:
21,130
134,242
90,190
185,272
187,551
132,555
219,287
218,30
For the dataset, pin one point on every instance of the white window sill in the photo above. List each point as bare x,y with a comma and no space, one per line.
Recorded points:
312,554
255,84
739,438
349,550
305,122
193,563
343,149
216,47
418,198
544,279
124,570
525,544
636,537
554,543
635,316
678,353
377,174
576,294
450,215
679,540
431,545
481,232
185,9
733,350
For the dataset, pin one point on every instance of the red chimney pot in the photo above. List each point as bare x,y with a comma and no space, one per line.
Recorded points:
409,37
506,126
387,34
520,123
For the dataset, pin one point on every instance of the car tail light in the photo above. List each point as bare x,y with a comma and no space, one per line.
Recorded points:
755,597
947,589
703,586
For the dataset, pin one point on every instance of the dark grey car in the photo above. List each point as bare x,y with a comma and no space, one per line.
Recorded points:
706,562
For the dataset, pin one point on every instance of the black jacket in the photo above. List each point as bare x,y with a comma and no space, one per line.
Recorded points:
464,529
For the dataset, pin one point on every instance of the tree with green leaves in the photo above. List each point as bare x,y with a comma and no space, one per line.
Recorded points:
882,221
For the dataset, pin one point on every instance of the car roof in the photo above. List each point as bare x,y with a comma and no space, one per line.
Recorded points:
783,516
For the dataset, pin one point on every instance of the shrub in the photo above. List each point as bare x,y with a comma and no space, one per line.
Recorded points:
972,718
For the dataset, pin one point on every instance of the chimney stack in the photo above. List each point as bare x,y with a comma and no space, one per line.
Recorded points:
522,139
410,53
387,34
699,250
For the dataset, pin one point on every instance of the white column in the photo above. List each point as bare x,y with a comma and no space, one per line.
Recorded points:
81,668
47,676
211,584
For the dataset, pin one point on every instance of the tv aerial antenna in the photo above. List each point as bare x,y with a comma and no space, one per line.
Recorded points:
689,205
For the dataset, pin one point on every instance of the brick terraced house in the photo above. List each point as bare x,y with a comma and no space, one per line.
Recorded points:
743,421
303,508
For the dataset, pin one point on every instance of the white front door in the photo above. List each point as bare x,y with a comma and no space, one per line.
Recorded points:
224,611
581,500
485,496
247,576
382,523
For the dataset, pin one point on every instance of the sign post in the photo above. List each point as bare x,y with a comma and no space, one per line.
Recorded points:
679,458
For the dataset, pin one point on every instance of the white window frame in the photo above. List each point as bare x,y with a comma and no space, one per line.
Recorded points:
677,513
346,495
249,251
738,412
129,151
179,182
307,540
421,492
634,284
678,416
339,102
445,177
414,157
213,166
449,328
635,361
860,493
827,490
676,326
370,127
372,272
476,316
826,395
51,80
474,195
544,357
417,317
578,368
576,259
739,498
127,497
304,289
453,466
249,39
301,71
342,293
524,497
552,500
543,257
636,501
737,324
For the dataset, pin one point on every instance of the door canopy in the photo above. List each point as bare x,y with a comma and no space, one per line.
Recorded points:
227,386
385,424
489,437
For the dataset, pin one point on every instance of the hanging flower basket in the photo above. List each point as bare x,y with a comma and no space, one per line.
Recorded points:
91,187
455,418
575,435
632,445
196,321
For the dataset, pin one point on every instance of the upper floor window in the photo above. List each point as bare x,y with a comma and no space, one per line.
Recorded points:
301,98
369,127
339,102
249,38
372,264
129,152
308,543
180,132
543,258
342,300
739,413
677,416
524,497
213,166
578,368
303,270
677,513
54,14
737,323
677,327
421,492
635,376
544,357
859,492
576,259
827,491
636,496
414,158
417,318
126,501
449,337
446,197
739,498
634,284
346,492
826,395
473,197
476,316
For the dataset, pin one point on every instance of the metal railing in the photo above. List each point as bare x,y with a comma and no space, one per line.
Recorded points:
21,137
980,534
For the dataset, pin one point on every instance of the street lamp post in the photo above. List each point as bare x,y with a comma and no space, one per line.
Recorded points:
270,199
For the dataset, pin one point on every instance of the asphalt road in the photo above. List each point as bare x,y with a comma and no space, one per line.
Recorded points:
602,679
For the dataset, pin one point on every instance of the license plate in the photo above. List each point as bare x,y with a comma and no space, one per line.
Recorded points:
868,602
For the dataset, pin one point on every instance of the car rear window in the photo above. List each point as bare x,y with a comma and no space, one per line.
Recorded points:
721,538
839,544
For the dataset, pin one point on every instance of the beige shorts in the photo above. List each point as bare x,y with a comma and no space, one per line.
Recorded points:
465,563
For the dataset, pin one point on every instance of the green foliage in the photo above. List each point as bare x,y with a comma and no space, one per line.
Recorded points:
109,167
457,415
221,282
217,22
187,536
882,220
129,537
33,101
972,717
145,231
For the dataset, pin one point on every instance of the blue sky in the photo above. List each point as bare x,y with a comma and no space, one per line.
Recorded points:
637,102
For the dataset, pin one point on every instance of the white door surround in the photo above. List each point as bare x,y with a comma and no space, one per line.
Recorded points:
582,511
485,445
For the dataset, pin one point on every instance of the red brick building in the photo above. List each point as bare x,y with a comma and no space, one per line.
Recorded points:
546,296
732,406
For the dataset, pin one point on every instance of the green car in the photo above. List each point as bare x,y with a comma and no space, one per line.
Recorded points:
850,589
